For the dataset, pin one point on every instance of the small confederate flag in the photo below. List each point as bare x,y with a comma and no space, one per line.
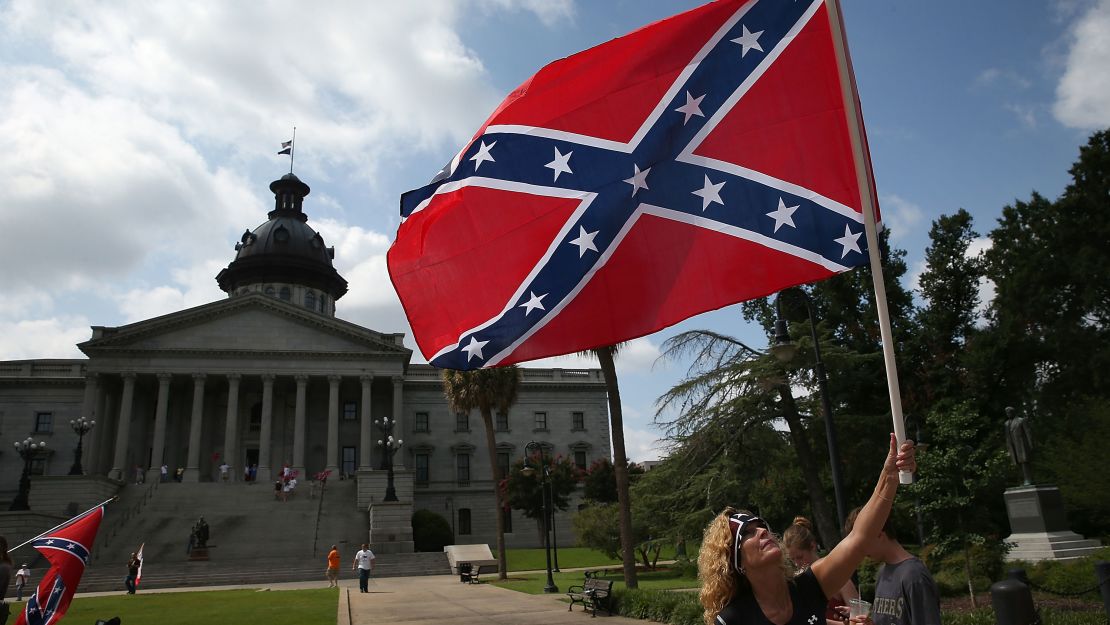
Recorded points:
700,161
139,557
286,147
67,549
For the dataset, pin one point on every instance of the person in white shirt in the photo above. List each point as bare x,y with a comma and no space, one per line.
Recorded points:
22,576
225,471
364,562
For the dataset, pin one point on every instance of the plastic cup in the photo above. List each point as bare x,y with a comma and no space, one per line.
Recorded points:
858,607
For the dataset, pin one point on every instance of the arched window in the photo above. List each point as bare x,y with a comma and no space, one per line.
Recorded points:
310,300
323,303
269,291
285,294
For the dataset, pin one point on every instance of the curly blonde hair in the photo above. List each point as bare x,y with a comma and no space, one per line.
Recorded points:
719,580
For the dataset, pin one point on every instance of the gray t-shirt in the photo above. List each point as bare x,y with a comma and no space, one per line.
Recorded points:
905,594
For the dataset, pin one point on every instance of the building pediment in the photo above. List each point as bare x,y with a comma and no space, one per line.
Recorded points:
253,323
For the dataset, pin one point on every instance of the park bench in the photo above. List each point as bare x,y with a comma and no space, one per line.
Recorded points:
593,593
469,572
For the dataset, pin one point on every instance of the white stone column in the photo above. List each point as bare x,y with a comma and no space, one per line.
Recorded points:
264,435
333,424
366,433
158,444
298,425
399,422
88,410
123,429
231,427
192,458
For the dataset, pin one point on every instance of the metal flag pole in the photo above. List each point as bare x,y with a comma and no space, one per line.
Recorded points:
292,148
866,181
85,513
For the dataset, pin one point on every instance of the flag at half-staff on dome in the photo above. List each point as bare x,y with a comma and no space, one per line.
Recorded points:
67,548
707,159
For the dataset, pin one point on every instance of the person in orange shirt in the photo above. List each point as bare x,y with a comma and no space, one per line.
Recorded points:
333,567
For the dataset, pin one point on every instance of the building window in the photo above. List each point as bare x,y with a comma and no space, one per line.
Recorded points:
38,466
464,521
270,291
462,469
421,461
541,421
580,460
421,422
323,302
349,464
462,422
503,463
350,411
578,421
256,418
285,294
502,422
44,422
310,300
507,519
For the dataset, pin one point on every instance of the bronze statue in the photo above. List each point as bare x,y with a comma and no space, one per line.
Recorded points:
1019,442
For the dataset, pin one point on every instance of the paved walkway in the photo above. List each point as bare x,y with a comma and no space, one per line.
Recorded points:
439,599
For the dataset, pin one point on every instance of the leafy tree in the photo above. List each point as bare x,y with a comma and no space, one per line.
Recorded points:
486,390
600,481
597,528
525,492
962,470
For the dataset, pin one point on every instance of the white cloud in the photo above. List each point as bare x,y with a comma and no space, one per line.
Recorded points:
1026,114
1083,93
641,445
900,215
55,337
994,76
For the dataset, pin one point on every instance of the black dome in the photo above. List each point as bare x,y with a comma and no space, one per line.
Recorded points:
284,249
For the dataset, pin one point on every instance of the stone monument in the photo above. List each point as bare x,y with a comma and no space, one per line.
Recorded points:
1038,522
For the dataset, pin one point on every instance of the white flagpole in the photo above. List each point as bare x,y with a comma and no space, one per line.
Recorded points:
85,513
866,183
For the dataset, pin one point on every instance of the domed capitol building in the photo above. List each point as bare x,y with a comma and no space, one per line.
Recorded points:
271,377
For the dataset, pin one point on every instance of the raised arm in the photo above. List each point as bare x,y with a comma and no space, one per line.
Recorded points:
835,569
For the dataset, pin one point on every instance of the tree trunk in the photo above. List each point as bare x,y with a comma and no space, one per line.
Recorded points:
620,464
495,471
826,526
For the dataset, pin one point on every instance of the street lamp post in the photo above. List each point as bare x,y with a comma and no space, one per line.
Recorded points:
81,427
545,486
784,349
554,536
28,450
390,446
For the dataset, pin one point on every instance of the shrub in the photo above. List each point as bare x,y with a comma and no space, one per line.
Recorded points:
430,531
675,608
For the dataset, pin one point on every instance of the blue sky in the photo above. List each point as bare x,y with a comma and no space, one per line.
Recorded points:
140,137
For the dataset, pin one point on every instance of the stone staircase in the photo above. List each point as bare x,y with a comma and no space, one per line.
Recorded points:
255,539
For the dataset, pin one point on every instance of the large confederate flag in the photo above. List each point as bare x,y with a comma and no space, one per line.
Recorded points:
67,548
700,161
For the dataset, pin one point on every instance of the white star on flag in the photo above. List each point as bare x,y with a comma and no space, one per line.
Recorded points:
638,179
534,302
748,41
709,193
561,163
849,241
692,107
483,155
783,215
585,241
474,348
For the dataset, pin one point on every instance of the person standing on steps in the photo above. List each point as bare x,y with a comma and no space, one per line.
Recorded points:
364,562
333,567
22,576
132,573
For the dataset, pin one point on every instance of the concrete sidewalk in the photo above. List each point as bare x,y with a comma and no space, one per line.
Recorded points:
438,599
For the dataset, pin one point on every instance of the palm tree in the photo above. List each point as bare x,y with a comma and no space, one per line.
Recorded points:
620,459
486,390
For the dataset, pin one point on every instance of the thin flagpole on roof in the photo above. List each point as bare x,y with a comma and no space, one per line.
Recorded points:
865,180
292,148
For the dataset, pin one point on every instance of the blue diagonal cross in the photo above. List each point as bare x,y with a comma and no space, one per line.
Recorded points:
610,180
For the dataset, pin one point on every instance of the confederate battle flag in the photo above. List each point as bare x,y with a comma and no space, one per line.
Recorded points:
67,548
704,160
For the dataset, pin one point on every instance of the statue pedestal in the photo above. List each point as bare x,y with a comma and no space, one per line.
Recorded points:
198,554
391,527
1039,526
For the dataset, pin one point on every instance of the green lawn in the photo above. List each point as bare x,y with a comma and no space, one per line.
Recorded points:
285,607
569,557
